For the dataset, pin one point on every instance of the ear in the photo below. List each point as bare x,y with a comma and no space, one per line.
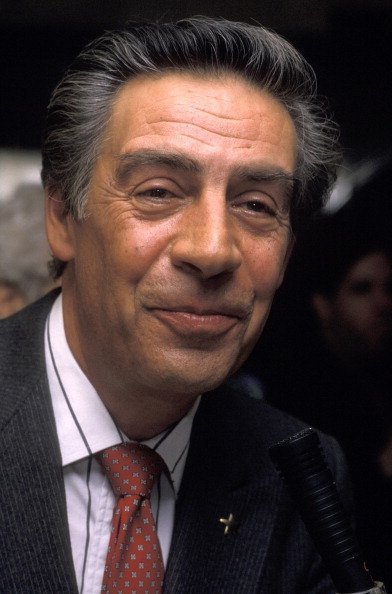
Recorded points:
58,225
289,250
322,307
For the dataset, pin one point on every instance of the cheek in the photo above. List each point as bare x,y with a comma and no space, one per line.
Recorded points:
266,269
130,251
355,312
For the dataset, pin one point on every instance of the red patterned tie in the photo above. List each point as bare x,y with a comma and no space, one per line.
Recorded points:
134,561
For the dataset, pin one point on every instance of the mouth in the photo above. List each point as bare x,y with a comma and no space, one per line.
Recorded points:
199,322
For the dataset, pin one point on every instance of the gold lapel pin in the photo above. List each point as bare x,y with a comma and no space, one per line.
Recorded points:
230,524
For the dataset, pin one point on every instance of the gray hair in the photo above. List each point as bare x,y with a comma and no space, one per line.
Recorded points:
80,106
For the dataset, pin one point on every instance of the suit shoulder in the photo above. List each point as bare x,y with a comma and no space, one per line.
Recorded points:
258,416
261,425
26,323
22,354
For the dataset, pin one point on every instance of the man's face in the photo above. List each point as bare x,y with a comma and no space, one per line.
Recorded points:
171,275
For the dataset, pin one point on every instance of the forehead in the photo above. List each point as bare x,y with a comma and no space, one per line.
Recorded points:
202,112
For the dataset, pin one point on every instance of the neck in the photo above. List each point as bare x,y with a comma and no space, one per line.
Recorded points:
142,417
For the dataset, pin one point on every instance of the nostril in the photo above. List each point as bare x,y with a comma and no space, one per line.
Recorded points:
206,256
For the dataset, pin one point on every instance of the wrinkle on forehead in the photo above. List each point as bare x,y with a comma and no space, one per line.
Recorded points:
198,130
230,131
211,103
226,111
248,122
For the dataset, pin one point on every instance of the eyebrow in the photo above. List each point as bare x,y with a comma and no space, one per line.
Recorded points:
128,161
180,162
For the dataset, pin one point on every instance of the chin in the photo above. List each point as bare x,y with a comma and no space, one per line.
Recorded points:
191,371
193,381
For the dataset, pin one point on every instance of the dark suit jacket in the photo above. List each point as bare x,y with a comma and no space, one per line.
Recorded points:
228,471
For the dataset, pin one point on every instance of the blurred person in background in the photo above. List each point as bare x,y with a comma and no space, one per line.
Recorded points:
12,298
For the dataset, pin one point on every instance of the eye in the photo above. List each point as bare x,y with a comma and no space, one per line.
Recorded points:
157,197
257,206
261,210
155,192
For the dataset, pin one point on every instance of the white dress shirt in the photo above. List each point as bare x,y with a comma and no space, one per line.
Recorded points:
85,427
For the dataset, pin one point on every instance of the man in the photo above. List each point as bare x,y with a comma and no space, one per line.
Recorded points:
176,161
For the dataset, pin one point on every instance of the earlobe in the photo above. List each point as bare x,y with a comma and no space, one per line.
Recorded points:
58,225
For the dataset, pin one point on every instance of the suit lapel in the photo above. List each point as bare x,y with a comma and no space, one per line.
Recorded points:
219,481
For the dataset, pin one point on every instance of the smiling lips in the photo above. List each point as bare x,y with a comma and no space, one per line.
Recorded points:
199,322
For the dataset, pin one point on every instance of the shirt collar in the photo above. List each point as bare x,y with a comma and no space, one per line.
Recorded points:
84,425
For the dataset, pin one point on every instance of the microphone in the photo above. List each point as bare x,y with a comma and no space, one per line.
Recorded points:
301,461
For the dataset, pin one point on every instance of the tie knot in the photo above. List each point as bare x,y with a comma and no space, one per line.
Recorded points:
131,468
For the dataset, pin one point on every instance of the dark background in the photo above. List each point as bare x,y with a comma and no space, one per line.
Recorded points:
348,42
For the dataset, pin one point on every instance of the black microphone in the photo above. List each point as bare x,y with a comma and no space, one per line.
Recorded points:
302,462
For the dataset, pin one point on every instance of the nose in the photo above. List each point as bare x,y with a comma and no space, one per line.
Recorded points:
205,244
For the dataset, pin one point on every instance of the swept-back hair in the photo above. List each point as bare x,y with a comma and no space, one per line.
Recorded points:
81,104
